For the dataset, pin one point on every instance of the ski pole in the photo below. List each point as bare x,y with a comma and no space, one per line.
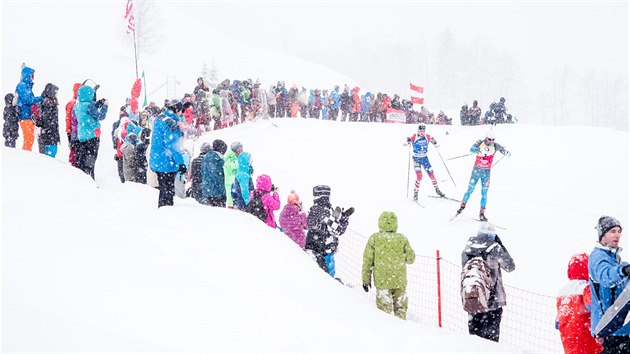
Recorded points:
499,160
449,172
408,170
457,157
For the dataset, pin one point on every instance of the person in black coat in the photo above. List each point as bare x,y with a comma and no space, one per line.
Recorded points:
141,155
195,172
48,120
325,225
10,130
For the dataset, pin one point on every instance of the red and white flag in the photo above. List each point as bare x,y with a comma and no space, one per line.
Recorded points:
415,90
131,20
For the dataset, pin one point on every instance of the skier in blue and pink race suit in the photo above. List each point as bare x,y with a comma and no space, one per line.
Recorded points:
420,143
485,150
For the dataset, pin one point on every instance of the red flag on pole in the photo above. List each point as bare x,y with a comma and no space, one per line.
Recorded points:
131,20
417,89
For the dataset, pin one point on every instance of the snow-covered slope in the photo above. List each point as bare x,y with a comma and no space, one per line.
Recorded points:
105,263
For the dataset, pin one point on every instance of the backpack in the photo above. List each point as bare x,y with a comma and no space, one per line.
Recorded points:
256,207
476,285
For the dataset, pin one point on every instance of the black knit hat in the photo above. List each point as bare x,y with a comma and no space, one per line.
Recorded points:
605,224
219,146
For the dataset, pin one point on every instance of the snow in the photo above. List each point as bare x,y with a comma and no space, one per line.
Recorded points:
94,266
105,263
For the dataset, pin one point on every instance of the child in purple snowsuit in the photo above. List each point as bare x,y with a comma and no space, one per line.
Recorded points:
293,220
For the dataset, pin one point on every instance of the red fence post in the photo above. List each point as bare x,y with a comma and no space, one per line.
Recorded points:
439,289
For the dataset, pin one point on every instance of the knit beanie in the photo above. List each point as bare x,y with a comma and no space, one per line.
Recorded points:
320,192
486,228
219,146
604,225
236,146
293,198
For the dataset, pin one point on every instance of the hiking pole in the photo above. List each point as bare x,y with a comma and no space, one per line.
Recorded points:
408,170
457,157
449,172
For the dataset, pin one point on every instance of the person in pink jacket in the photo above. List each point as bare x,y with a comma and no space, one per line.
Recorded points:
293,220
269,197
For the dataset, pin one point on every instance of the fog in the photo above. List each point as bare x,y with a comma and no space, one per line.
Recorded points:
559,63
564,62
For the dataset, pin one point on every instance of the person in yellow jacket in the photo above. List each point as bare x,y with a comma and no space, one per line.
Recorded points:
385,257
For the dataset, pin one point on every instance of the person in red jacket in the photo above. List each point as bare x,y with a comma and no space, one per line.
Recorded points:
71,126
574,314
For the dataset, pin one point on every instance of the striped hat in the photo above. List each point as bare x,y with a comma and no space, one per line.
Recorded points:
321,191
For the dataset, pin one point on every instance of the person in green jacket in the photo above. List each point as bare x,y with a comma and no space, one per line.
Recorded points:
230,167
387,254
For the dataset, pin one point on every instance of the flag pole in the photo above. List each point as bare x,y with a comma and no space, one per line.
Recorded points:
135,51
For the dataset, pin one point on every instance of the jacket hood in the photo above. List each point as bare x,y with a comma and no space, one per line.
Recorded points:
85,94
50,90
244,160
578,267
388,221
8,99
26,74
75,89
263,183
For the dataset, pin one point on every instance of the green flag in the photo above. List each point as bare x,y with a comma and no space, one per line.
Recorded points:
144,84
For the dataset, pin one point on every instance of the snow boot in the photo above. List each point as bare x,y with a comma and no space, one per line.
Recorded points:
461,208
439,192
415,195
482,215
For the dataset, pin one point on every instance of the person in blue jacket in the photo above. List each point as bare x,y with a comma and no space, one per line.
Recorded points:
25,101
243,185
89,113
166,158
213,176
608,278
335,103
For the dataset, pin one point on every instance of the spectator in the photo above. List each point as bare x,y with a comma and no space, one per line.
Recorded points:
195,174
243,185
474,114
166,158
230,168
325,225
48,120
129,157
269,198
608,277
10,130
293,220
386,256
487,245
25,102
141,155
213,175
89,113
574,310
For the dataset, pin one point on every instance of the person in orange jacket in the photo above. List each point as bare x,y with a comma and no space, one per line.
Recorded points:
574,314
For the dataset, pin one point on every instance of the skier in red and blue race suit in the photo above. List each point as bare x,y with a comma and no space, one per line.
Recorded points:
485,150
420,143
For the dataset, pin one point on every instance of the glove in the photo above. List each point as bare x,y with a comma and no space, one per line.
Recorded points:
116,157
346,213
366,287
408,139
182,169
626,271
